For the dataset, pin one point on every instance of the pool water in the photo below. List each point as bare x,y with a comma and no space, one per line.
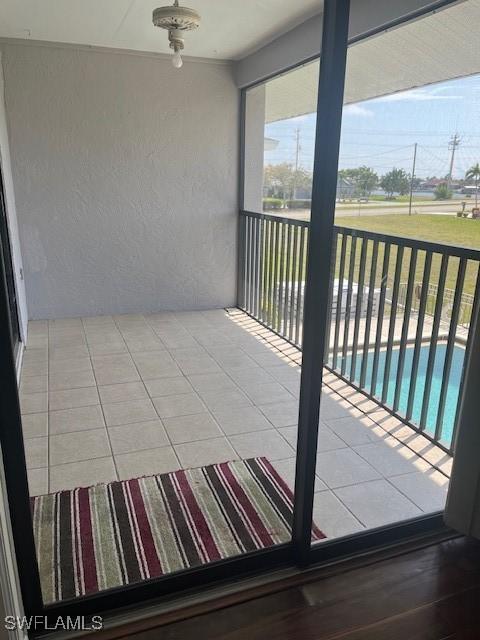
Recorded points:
452,391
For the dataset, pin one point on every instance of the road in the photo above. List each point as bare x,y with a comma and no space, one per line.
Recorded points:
448,207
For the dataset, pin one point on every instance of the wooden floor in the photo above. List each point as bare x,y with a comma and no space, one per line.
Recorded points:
427,594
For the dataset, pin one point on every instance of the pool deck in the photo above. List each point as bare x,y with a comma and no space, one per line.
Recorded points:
461,333
117,397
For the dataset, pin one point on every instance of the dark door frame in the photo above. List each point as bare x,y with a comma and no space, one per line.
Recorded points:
298,552
9,268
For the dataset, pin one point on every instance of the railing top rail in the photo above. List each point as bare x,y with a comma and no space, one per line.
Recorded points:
268,216
412,243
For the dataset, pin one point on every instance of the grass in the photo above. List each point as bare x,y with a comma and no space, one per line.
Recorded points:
462,232
405,198
434,228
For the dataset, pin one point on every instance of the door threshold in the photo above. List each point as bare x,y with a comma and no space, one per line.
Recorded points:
136,620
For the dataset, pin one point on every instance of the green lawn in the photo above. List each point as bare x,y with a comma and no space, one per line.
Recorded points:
461,232
435,228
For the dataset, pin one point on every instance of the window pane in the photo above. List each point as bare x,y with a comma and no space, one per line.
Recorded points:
280,120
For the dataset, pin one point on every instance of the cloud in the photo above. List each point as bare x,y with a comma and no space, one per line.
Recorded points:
357,110
417,95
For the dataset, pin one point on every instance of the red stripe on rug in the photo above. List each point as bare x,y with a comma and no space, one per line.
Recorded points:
244,501
86,539
198,521
77,539
151,555
317,534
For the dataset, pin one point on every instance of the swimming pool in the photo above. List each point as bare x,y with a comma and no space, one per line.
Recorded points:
452,391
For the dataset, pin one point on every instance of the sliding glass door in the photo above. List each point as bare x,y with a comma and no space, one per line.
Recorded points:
394,292
279,459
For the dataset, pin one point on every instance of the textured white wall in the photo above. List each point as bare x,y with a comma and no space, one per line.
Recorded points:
125,174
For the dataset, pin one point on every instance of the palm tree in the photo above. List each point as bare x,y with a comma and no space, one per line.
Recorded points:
474,172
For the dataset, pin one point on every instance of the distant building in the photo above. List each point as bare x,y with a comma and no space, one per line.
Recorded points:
431,184
345,188
470,189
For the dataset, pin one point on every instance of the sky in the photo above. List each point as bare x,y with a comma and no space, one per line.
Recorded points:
381,133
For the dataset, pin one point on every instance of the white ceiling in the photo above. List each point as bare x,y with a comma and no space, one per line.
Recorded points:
229,30
413,55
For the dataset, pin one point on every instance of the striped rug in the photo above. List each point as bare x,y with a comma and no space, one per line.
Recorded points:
109,535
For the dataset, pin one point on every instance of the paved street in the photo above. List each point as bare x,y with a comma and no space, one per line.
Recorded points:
449,207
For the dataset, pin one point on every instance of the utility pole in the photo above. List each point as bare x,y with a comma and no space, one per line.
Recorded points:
412,178
452,145
297,159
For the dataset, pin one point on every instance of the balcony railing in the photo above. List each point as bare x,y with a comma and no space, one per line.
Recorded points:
399,312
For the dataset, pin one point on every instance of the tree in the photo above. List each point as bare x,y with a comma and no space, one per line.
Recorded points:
474,174
416,183
442,192
395,181
282,180
364,178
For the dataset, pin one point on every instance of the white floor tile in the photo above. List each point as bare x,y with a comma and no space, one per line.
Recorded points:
122,392
217,381
71,380
262,443
168,386
286,469
205,452
35,425
332,517
200,426
352,430
38,481
33,402
225,399
183,404
77,419
343,467
146,463
428,489
281,414
34,384
82,474
241,420
70,365
36,452
72,398
391,458
377,503
272,392
136,437
78,445
155,364
128,412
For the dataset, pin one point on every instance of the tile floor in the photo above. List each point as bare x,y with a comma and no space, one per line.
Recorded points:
107,398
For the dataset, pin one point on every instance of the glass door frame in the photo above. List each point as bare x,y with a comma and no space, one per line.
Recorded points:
327,138
9,268
298,552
